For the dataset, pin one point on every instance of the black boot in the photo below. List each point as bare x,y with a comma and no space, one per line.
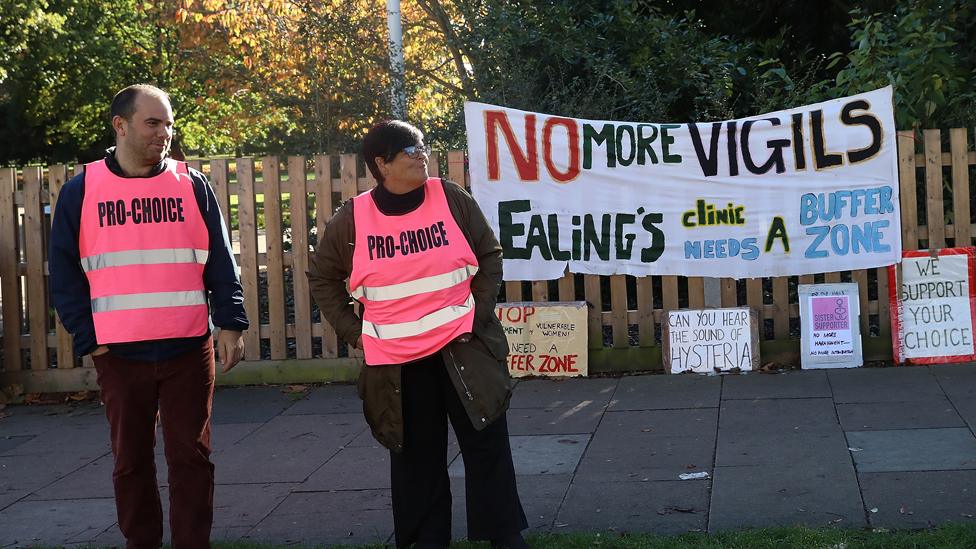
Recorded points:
514,541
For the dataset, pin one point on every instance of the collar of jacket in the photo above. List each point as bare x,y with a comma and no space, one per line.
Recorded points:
113,165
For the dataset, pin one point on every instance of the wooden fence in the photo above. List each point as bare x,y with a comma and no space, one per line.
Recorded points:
276,207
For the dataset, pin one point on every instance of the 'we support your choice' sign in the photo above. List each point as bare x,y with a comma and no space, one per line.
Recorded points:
800,191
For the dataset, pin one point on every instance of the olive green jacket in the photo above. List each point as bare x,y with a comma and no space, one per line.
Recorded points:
477,368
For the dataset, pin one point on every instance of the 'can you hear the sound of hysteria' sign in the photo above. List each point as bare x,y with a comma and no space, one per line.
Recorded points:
933,306
800,191
710,340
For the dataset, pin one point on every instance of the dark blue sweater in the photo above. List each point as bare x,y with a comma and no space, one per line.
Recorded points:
69,285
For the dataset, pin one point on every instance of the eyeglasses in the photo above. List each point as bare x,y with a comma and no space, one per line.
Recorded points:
416,151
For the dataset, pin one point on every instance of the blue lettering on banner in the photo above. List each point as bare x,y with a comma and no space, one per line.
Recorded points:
841,239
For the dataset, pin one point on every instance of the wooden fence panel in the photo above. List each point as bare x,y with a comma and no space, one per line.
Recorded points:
962,228
275,269
323,213
906,183
9,275
247,220
298,206
781,308
350,188
934,204
594,310
645,311
220,182
29,230
696,292
729,292
57,177
37,309
618,311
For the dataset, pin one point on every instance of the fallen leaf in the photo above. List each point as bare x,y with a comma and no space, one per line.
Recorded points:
294,389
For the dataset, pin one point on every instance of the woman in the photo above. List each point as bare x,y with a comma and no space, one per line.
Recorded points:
423,262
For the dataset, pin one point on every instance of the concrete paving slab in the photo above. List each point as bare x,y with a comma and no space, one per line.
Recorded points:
913,450
88,441
625,425
287,448
785,494
93,481
919,499
650,458
921,414
541,497
806,415
581,418
34,420
328,399
9,497
563,393
249,404
956,379
244,505
800,448
965,406
323,518
664,392
786,384
370,465
539,455
33,472
224,435
9,443
667,507
54,522
900,384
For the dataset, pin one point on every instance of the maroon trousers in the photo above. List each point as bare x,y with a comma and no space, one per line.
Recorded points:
177,392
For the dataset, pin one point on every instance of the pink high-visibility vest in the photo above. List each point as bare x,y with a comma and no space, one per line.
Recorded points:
143,246
412,273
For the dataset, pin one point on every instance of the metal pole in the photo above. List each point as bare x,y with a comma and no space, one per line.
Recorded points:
398,92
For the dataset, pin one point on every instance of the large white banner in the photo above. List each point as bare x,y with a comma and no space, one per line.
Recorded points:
807,190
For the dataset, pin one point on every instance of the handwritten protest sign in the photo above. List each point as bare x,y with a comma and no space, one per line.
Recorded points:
800,191
545,338
830,335
711,340
933,306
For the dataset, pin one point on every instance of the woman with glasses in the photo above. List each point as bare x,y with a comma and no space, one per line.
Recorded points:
418,255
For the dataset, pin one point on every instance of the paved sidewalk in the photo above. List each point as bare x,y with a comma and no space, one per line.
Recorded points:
891,447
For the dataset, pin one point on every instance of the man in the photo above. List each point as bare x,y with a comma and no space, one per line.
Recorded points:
140,261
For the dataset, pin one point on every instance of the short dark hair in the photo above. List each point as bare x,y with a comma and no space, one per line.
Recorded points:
385,139
124,102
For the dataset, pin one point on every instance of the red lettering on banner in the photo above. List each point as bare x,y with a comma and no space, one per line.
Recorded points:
527,162
572,130
514,314
557,364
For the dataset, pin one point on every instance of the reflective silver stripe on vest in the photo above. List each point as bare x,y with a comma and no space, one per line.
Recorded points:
148,301
144,257
419,326
415,287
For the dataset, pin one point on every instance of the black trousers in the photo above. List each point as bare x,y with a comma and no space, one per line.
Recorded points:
420,484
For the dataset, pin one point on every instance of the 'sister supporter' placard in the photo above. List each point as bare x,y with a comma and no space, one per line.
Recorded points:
545,338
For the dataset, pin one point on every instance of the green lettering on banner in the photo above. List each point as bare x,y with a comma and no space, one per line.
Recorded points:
537,237
603,137
777,229
667,141
599,241
508,229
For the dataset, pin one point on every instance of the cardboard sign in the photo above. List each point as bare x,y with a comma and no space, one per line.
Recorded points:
545,338
830,334
933,306
711,340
